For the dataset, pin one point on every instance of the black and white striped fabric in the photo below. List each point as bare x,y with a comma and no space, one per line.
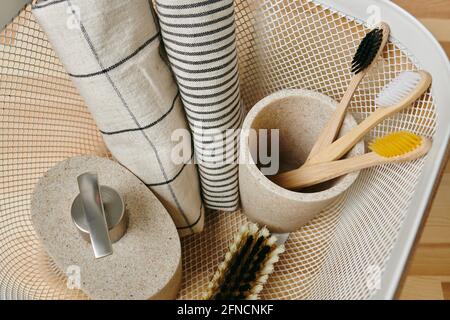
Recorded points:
111,49
199,38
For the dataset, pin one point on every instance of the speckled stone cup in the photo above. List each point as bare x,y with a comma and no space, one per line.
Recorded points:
300,116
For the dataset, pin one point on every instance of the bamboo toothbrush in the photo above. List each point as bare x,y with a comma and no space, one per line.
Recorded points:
247,265
396,147
365,58
399,94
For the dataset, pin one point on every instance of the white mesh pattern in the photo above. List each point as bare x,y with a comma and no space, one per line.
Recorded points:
281,44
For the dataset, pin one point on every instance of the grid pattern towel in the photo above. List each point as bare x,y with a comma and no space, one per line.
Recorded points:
111,49
199,38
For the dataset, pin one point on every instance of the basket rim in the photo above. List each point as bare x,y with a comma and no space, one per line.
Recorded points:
431,56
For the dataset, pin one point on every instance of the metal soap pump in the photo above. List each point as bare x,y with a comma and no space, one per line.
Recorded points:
99,214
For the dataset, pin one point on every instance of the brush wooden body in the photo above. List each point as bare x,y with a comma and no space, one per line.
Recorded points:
331,130
309,175
344,144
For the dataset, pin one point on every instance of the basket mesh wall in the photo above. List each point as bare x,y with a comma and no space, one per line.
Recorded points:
282,44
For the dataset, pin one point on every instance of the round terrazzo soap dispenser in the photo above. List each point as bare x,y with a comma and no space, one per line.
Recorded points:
92,213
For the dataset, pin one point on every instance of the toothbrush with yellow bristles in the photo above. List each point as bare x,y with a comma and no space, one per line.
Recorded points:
396,96
393,148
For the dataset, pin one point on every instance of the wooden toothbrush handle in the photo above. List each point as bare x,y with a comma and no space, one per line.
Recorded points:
333,126
313,174
344,144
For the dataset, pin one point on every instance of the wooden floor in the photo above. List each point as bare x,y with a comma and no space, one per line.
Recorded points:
429,274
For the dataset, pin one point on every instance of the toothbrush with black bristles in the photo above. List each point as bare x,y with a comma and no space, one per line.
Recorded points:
370,48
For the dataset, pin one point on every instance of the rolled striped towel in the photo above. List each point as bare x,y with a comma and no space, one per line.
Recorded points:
111,49
199,38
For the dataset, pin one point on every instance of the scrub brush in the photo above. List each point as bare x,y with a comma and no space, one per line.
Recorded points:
399,94
365,58
396,147
247,265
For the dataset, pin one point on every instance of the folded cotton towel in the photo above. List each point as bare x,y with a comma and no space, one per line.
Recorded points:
111,49
199,37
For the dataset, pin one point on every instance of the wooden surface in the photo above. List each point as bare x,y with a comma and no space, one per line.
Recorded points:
428,276
434,14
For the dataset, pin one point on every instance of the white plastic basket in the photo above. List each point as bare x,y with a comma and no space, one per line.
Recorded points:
282,44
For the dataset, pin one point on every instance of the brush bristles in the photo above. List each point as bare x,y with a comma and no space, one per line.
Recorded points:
246,267
367,50
396,144
398,89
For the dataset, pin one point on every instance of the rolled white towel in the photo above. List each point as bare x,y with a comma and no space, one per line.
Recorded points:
111,49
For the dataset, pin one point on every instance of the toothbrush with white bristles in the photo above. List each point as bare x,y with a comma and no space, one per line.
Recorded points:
399,94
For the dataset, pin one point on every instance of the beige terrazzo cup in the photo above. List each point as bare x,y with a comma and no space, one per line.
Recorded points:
300,116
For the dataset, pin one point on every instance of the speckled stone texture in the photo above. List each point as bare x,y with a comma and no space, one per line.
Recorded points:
300,116
146,263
